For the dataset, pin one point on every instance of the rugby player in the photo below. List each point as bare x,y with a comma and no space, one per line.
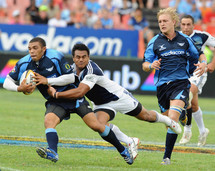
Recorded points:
107,96
50,63
201,40
167,54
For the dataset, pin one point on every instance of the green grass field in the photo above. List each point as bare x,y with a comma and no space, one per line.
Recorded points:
23,115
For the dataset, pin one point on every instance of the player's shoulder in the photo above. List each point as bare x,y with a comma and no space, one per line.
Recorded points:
200,32
52,53
93,68
25,59
181,34
152,41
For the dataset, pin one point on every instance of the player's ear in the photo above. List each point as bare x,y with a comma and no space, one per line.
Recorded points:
44,48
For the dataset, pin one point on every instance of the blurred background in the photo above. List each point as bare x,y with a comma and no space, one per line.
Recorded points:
116,31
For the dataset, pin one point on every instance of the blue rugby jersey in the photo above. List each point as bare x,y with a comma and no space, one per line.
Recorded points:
176,64
52,64
102,89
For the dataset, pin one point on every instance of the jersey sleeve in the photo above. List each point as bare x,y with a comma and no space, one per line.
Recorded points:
90,80
210,41
14,73
59,61
65,67
149,54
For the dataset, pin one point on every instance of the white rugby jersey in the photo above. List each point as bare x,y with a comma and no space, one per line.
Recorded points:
202,39
102,89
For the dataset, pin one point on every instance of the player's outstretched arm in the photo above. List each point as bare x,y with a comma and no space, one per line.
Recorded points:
211,66
58,81
202,65
75,93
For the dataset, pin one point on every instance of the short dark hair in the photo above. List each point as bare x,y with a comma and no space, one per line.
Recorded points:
189,17
81,47
38,39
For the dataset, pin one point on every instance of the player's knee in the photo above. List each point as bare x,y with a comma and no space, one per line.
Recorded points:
195,108
143,115
51,121
97,127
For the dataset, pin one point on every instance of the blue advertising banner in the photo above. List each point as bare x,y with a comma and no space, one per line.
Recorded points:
104,42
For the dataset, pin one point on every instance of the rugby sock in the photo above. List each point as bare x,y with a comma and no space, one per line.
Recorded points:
189,116
162,118
170,142
182,116
120,135
52,138
187,128
199,120
109,136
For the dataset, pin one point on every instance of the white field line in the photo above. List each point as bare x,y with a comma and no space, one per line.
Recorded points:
7,168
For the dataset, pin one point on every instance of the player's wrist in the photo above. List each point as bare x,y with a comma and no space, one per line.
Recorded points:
56,95
204,62
150,66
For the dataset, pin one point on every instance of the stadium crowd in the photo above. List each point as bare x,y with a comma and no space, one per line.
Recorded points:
109,14
101,14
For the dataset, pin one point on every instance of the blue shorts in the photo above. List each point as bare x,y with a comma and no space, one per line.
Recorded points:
63,108
176,90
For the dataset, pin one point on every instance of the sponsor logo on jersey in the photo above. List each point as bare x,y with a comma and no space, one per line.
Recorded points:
182,96
181,44
162,47
67,66
50,69
173,52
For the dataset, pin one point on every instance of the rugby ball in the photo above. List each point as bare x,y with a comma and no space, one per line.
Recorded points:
28,74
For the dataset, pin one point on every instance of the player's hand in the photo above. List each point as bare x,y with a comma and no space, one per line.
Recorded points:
201,68
156,64
23,87
39,79
210,68
51,91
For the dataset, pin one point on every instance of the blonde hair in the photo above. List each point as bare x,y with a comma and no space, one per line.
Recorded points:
172,12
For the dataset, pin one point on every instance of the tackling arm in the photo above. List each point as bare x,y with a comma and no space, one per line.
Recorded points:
58,81
75,93
211,65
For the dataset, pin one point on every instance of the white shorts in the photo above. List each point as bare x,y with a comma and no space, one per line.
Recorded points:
199,81
126,103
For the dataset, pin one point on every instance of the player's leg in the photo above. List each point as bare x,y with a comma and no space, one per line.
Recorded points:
198,117
54,115
155,117
51,121
196,88
178,93
104,131
187,134
176,107
105,115
187,128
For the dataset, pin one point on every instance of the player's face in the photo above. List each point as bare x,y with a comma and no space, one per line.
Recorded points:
36,51
166,24
187,26
81,59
